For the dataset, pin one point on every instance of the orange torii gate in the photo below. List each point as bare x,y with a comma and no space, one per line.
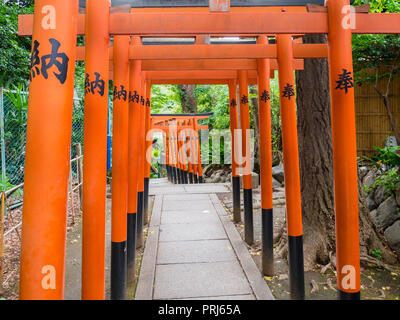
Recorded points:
49,128
183,164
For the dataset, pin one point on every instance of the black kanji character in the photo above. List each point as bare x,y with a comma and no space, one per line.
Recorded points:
148,103
115,93
134,97
233,103
288,91
142,101
35,60
244,100
265,96
345,81
122,94
53,59
98,83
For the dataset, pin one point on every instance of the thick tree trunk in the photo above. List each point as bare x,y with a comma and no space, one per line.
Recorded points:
316,167
188,99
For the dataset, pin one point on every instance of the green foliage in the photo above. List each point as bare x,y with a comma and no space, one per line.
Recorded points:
276,129
15,113
165,99
378,50
388,156
387,161
377,254
156,153
5,184
389,180
214,99
15,50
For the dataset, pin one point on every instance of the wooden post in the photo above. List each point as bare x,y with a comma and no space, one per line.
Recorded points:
140,160
233,113
120,168
193,152
264,101
95,145
247,178
344,151
48,132
199,166
147,152
135,68
291,166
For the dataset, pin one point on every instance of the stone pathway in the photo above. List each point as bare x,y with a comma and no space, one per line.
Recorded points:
194,251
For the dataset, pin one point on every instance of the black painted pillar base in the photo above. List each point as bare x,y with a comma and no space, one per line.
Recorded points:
342,295
190,177
131,247
173,174
248,216
236,199
179,175
146,201
118,270
168,172
185,177
200,179
296,267
196,178
139,240
267,239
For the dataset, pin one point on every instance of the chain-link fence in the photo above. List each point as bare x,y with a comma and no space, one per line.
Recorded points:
13,120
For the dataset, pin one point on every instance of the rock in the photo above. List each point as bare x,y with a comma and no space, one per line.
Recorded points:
398,197
379,195
387,213
371,203
373,215
275,184
283,277
278,173
207,172
362,172
215,179
369,179
392,235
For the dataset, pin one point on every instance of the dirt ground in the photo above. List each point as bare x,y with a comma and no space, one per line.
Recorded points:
12,242
376,283
12,246
74,259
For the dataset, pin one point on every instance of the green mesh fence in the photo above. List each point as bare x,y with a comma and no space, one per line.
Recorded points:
13,121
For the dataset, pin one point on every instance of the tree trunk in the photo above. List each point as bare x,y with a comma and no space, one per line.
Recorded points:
316,167
254,101
188,99
385,97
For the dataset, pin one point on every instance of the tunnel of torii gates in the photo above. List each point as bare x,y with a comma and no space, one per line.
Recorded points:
135,67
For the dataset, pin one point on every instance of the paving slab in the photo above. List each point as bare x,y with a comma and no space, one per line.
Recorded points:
187,196
207,188
199,280
194,251
187,205
192,231
236,297
176,217
202,251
